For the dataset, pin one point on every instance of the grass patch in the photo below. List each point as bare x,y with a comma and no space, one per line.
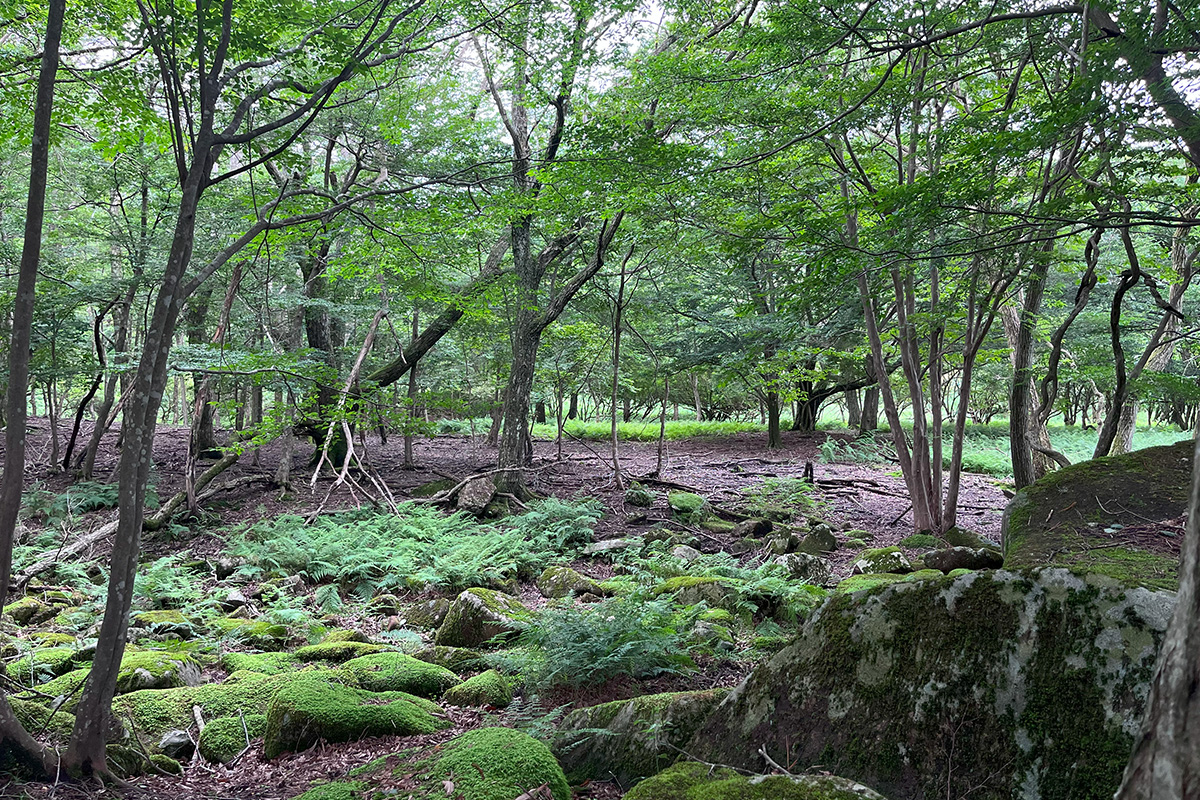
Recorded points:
647,431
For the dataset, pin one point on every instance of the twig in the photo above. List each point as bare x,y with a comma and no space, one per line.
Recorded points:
762,751
902,513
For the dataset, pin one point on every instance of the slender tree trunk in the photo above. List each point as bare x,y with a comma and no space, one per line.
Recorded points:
14,739
774,436
853,408
409,460
1166,757
573,409
696,397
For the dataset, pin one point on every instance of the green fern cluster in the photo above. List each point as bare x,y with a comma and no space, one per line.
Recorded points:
587,645
369,553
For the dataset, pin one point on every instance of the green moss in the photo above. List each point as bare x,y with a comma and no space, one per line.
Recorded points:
153,669
921,541
689,506
258,634
225,737
560,581
36,717
955,573
691,781
396,672
344,636
500,764
146,619
337,651
924,575
263,663
166,764
858,583
28,611
338,790
45,662
50,639
66,686
455,659
309,708
153,712
672,585
479,615
485,689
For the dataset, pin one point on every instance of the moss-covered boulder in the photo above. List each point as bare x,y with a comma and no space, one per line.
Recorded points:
1060,520
716,592
878,560
164,622
806,567
692,781
397,672
29,610
499,764
997,684
455,659
344,635
560,581
948,559
153,712
478,615
225,737
259,634
61,692
485,689
427,614
337,652
39,717
310,708
817,541
153,669
263,663
336,790
630,739
43,664
638,495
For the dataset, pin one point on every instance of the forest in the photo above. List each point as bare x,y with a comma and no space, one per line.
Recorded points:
566,400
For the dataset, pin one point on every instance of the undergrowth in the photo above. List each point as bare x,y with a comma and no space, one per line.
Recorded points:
370,553
647,431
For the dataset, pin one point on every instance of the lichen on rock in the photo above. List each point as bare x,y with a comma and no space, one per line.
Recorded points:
999,683
478,615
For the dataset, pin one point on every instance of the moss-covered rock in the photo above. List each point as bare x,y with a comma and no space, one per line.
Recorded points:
385,605
43,664
170,622
997,683
427,614
38,717
806,567
337,790
485,689
638,495
925,575
337,651
166,764
225,737
478,615
61,692
259,634
153,712
689,590
397,672
310,708
919,541
692,781
689,507
153,669
560,581
345,636
877,560
860,583
455,659
51,639
500,764
263,663
630,739
29,610
1047,523
948,559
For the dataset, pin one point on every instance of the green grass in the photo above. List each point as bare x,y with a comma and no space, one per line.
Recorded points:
647,431
986,447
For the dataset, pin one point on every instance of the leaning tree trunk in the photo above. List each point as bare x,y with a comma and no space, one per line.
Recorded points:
1166,758
14,739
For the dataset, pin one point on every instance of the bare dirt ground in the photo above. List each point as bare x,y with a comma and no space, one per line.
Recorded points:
871,498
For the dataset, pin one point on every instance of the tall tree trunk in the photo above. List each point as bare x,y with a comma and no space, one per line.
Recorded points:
14,739
774,436
1166,757
869,419
409,461
853,408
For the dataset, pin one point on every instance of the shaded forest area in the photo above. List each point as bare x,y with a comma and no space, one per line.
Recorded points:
459,400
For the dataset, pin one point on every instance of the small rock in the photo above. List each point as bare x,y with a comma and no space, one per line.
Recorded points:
476,494
224,566
478,615
686,553
806,567
952,558
689,507
756,528
177,744
560,581
609,545
638,495
234,600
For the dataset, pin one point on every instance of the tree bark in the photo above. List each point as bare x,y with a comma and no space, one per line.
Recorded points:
14,739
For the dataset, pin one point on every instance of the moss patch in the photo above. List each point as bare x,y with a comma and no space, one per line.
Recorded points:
153,712
691,781
479,615
259,634
500,764
225,737
396,672
337,651
338,790
309,708
485,689
263,663
860,583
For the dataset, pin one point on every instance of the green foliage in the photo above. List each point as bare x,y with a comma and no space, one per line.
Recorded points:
863,451
165,584
500,763
647,431
369,554
779,499
586,645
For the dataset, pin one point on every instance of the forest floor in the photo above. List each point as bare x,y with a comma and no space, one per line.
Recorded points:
867,497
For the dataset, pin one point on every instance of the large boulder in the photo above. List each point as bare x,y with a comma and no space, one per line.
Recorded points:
881,560
948,559
560,581
311,708
995,684
692,781
153,669
476,494
627,740
478,615
1085,516
488,688
397,672
499,764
